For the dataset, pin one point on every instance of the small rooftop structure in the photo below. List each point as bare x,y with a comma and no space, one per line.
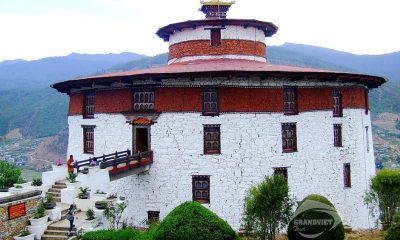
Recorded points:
216,8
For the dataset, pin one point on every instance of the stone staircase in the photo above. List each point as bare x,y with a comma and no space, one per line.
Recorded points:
55,190
58,233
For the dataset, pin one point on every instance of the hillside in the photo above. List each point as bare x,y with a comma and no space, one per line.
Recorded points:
30,107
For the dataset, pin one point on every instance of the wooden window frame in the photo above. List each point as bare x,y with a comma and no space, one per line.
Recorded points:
87,149
153,216
337,100
139,102
209,131
89,99
207,99
347,175
366,99
282,171
215,37
202,189
285,128
337,135
290,103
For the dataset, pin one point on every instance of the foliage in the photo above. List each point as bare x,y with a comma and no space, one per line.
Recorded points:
71,177
24,233
84,190
90,214
394,232
113,212
18,186
49,198
37,182
191,220
267,207
320,208
99,192
9,174
124,234
384,195
39,211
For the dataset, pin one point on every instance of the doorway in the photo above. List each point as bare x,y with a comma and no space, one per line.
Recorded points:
141,139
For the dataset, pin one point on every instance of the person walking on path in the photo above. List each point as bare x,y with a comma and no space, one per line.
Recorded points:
71,217
70,164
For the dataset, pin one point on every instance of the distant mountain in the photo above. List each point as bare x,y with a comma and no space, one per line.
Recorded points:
385,65
43,72
29,104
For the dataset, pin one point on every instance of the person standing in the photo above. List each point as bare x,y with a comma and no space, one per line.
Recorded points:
70,164
70,217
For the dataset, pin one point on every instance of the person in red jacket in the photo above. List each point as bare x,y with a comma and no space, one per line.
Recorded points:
70,164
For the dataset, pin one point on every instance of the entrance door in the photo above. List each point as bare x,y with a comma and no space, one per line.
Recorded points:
141,139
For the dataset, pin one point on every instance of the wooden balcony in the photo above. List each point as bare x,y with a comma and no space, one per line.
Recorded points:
120,164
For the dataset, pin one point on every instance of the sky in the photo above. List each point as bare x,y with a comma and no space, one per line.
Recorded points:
33,29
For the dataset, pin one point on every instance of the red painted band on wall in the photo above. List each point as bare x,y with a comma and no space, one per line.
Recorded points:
189,99
227,47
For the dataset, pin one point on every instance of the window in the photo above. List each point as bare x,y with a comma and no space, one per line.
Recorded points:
88,139
289,138
281,171
212,141
153,216
347,175
215,37
367,137
290,101
88,105
143,100
337,104
366,101
337,135
201,189
210,101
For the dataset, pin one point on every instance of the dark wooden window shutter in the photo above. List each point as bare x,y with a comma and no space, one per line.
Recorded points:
201,189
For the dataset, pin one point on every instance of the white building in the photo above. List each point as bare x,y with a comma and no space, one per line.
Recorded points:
218,118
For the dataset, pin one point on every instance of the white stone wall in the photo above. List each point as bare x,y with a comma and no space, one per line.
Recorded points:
251,146
230,32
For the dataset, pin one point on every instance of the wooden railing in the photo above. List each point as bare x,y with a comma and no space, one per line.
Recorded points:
119,161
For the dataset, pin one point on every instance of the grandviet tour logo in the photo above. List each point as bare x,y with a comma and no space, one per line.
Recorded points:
314,219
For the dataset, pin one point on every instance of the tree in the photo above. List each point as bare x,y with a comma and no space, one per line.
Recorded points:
384,195
9,174
113,212
267,207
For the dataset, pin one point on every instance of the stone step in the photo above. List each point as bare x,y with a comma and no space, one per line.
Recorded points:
59,228
56,190
56,232
60,183
59,186
51,237
55,194
57,199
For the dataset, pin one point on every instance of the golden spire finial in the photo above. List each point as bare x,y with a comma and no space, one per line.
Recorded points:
216,8
217,2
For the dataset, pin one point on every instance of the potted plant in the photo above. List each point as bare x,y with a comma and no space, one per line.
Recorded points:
9,175
71,178
90,221
84,194
25,235
39,218
49,201
100,205
37,182
85,170
98,195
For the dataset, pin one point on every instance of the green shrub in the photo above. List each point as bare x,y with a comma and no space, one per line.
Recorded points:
385,195
125,234
326,223
191,220
39,211
393,232
9,174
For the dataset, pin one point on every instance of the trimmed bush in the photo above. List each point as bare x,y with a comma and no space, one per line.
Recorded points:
125,234
394,231
191,220
9,174
317,217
